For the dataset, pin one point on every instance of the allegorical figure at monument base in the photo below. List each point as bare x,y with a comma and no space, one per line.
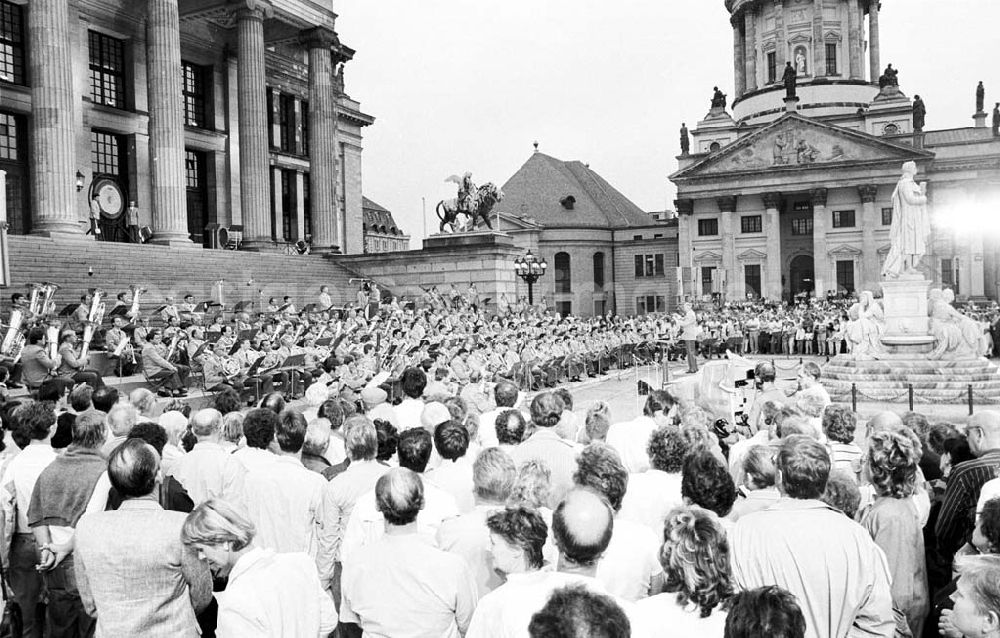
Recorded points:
910,225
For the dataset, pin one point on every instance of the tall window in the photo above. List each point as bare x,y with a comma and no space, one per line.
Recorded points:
286,123
772,67
598,270
802,226
649,303
12,43
107,70
13,159
197,194
107,153
195,94
564,308
649,265
947,272
887,216
562,272
751,279
831,59
845,276
288,215
307,213
751,224
707,279
843,219
304,107
708,227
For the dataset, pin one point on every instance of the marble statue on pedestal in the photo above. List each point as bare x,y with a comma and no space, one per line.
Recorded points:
980,97
865,328
911,225
956,335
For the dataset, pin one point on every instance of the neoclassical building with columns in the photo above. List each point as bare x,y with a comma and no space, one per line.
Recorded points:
203,113
781,195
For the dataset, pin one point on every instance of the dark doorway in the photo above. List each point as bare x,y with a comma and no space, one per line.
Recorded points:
801,275
196,187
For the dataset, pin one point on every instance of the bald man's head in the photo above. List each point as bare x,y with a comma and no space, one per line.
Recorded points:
206,423
984,432
582,526
399,495
884,421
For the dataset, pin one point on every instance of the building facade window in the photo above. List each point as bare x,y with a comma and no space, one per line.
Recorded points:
751,224
107,70
12,32
109,163
599,270
831,59
106,151
286,123
195,94
13,159
650,265
304,108
772,67
708,276
649,303
751,280
887,216
562,272
564,308
802,226
947,272
845,276
843,219
708,227
307,214
196,187
288,212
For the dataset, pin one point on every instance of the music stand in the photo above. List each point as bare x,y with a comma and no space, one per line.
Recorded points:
69,310
242,306
120,311
212,337
256,366
308,309
202,307
247,335
324,342
235,348
199,351
293,363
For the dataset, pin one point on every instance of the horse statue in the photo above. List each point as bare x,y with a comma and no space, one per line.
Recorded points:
483,201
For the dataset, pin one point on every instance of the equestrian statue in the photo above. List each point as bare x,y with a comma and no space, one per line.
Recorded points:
475,203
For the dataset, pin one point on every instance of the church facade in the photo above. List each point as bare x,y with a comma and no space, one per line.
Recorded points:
788,191
195,114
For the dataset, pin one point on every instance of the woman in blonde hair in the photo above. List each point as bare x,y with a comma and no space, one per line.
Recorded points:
894,522
268,594
695,559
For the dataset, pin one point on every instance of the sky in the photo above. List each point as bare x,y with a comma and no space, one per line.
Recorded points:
469,85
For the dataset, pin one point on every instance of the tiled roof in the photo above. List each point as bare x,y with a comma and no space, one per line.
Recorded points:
376,217
556,193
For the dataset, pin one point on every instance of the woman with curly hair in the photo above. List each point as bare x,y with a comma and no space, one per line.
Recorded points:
695,559
894,522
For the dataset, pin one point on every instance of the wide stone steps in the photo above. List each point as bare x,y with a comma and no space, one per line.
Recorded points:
889,379
168,271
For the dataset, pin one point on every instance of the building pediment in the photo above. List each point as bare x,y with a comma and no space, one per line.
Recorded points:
751,255
844,251
795,143
707,256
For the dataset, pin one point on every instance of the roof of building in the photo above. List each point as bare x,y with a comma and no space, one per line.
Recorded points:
378,219
958,136
555,193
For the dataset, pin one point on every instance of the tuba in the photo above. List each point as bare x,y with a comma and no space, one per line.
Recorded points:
35,297
94,319
48,291
133,312
13,339
52,336
172,350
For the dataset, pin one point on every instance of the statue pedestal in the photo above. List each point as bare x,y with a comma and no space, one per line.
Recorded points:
905,303
470,240
791,103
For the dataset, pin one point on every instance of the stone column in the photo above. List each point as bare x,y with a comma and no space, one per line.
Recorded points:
750,18
875,69
781,46
821,261
52,131
739,57
322,139
254,192
869,222
685,210
857,70
819,45
727,216
772,232
166,123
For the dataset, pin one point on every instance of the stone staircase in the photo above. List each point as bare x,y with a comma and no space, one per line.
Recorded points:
168,271
888,379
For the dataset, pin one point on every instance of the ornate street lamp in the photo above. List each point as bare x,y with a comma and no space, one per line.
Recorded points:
530,269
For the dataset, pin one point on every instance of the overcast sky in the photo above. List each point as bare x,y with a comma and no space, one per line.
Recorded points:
459,85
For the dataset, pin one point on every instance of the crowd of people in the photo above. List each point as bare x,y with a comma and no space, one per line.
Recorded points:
416,490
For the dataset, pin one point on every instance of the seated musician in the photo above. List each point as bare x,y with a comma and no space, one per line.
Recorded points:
141,332
286,303
186,309
460,369
82,313
266,377
125,361
72,365
119,301
217,324
272,305
220,374
169,310
154,360
38,367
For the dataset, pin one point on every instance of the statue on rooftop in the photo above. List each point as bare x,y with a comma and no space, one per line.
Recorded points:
685,140
718,99
980,97
472,202
919,114
788,78
889,77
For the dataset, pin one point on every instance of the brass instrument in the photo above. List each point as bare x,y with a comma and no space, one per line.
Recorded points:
231,367
125,346
94,319
172,350
271,360
52,336
35,297
133,312
42,294
13,339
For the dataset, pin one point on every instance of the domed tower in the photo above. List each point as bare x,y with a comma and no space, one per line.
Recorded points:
832,47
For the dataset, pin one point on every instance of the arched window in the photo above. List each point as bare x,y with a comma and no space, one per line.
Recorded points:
599,270
562,272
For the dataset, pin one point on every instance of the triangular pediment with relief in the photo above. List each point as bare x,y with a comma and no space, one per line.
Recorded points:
751,254
707,256
794,142
844,251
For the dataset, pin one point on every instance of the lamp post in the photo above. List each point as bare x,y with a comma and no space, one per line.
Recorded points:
530,269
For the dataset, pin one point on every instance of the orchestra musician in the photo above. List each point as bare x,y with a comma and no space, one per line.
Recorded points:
186,309
169,310
272,305
154,359
325,301
141,332
74,367
126,362
38,367
82,313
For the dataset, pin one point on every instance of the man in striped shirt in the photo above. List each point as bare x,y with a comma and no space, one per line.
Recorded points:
955,521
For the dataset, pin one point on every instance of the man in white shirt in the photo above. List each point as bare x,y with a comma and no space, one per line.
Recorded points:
366,523
325,301
209,471
400,585
35,422
374,399
454,474
467,535
412,406
581,525
631,437
652,494
259,425
505,395
285,500
630,567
